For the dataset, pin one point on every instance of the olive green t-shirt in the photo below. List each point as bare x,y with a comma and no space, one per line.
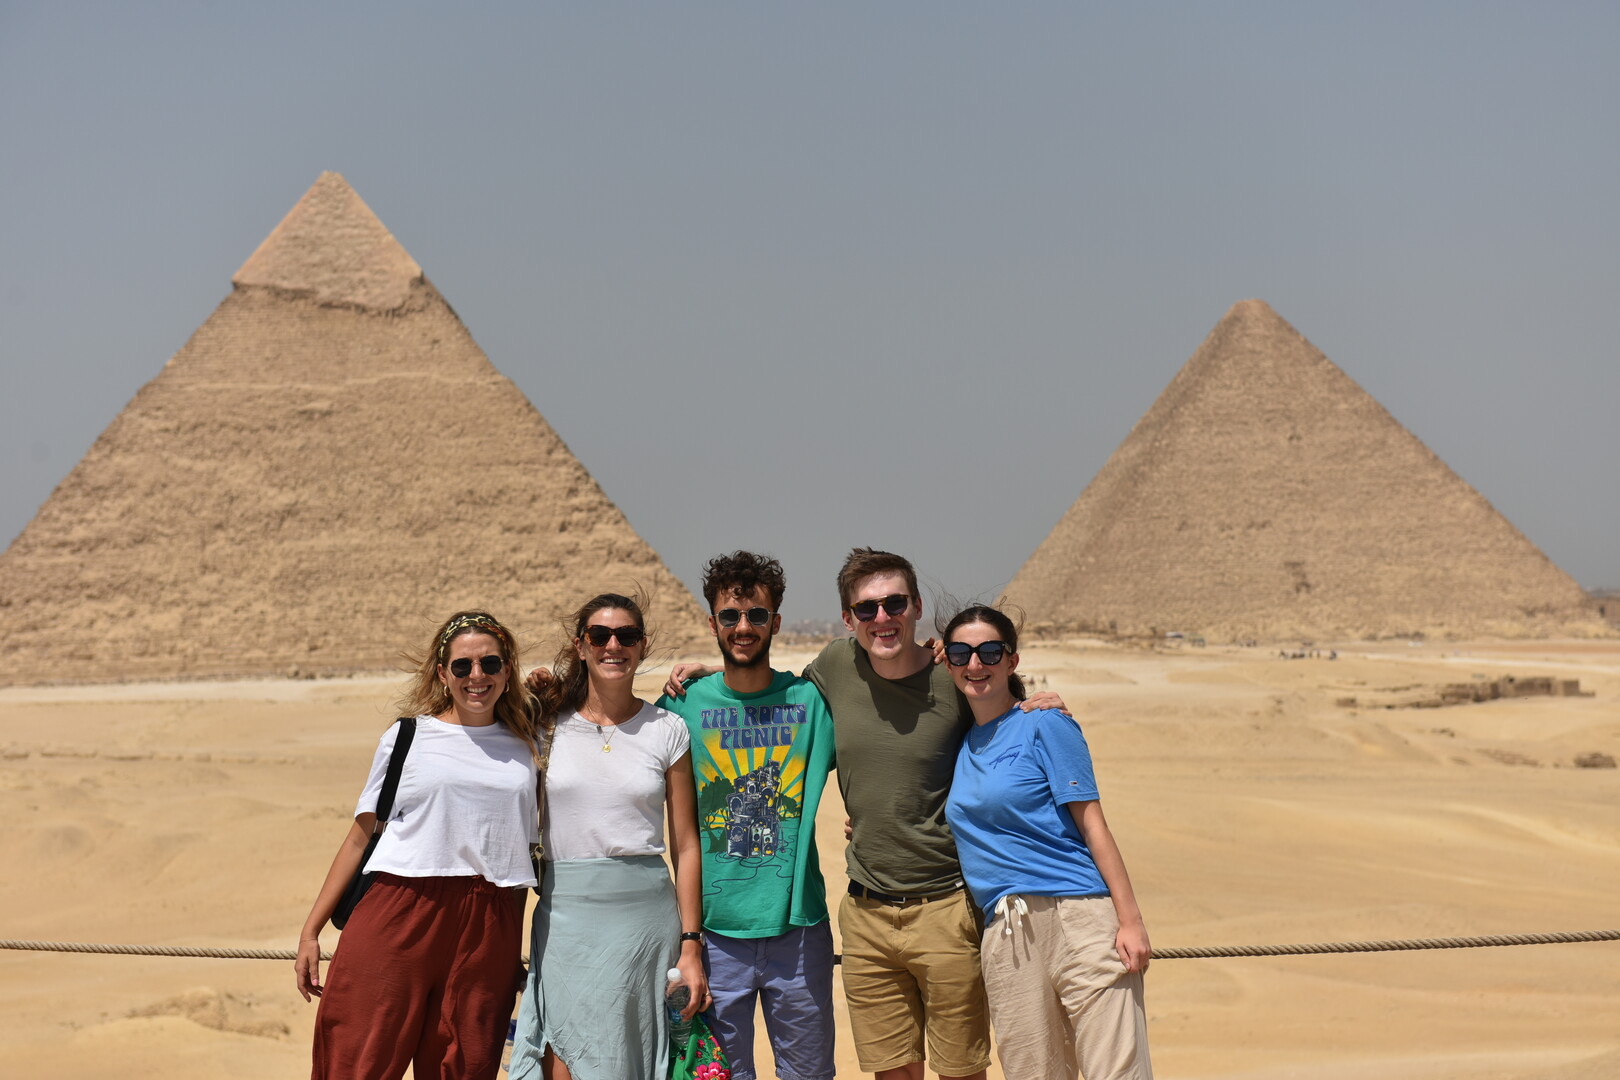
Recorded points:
897,741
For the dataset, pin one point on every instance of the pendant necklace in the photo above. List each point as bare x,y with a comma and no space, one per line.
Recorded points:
606,731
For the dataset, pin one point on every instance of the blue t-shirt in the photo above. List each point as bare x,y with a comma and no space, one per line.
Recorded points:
1008,808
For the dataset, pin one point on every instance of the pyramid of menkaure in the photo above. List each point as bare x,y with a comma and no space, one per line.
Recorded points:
1265,494
326,469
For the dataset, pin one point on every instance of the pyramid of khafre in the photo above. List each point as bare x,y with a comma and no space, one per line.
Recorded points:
1265,494
326,469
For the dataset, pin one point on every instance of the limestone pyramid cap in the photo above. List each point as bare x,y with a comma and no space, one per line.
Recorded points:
1251,313
1250,309
332,248
1253,329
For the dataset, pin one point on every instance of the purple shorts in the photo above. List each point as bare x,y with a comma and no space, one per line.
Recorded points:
790,975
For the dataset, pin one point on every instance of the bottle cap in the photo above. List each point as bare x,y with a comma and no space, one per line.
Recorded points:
674,975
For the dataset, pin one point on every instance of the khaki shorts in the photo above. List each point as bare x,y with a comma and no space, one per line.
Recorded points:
914,969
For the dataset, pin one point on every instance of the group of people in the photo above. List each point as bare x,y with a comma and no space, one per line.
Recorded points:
985,886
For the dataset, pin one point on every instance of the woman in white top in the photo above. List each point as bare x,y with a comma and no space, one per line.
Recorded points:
428,962
609,925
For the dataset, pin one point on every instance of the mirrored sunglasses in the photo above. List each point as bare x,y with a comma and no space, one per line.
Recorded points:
461,667
627,635
958,653
730,616
894,604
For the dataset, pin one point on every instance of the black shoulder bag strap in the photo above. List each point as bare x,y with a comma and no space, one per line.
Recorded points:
390,784
385,806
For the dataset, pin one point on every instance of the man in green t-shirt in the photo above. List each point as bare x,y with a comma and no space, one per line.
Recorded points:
762,746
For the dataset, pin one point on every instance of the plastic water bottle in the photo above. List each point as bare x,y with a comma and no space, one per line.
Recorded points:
511,1036
676,997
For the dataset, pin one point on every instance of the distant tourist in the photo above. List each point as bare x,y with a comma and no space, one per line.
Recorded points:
428,964
1065,946
609,925
762,746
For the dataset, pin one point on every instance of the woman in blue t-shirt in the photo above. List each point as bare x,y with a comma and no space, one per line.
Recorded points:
1065,948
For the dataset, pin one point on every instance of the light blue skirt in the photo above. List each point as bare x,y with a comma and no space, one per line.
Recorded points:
605,933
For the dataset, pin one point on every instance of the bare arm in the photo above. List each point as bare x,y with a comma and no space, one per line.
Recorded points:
307,967
1132,941
686,853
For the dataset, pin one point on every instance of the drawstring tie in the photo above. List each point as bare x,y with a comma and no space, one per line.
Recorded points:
1011,913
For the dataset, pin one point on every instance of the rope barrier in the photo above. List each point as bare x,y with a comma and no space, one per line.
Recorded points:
1209,952
157,950
1491,941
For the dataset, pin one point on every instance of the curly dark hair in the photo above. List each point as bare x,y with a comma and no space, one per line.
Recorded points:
739,574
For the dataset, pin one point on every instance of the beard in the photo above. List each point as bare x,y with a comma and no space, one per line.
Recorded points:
763,656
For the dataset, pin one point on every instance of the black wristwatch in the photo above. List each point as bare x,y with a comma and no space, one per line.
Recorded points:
693,935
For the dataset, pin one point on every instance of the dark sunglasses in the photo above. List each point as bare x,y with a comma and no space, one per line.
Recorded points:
627,635
895,604
461,667
730,616
958,653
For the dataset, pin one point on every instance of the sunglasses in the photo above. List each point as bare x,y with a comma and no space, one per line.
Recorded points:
958,653
730,616
895,604
627,635
489,665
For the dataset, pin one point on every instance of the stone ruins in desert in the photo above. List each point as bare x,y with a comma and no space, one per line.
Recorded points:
1267,495
326,469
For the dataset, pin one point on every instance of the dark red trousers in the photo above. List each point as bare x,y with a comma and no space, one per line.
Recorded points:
424,975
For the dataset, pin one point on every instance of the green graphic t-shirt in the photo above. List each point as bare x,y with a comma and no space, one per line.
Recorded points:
760,762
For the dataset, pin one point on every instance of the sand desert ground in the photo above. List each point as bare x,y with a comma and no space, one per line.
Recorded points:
1250,806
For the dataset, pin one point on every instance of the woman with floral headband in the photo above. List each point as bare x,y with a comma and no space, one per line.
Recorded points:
428,963
609,925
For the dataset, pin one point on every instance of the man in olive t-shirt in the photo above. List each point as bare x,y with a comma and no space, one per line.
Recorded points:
910,937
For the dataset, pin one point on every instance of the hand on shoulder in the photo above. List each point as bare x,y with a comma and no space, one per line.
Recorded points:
1045,699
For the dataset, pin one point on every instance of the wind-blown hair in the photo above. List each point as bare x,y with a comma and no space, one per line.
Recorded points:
998,621
570,681
428,695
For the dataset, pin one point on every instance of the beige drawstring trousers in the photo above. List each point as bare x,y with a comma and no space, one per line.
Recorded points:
1061,1002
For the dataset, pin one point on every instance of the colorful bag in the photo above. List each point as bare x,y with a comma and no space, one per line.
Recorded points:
702,1058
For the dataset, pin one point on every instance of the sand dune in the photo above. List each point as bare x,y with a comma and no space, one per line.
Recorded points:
1251,809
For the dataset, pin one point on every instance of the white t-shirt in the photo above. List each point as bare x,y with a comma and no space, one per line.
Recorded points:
602,805
465,805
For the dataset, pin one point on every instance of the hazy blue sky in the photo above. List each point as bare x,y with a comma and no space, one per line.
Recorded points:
799,277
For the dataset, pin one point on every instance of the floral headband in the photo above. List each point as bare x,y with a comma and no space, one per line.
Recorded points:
476,620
